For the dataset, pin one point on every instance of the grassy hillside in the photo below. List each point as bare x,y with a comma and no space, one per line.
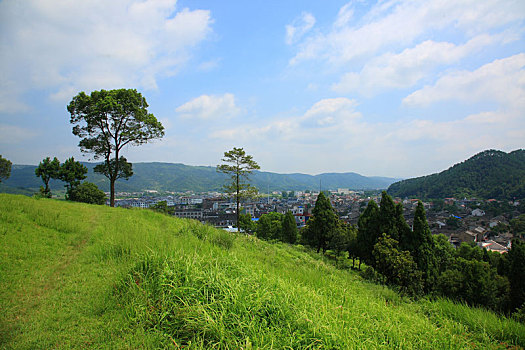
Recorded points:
81,276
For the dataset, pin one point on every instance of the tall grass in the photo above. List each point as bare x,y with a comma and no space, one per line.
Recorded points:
80,276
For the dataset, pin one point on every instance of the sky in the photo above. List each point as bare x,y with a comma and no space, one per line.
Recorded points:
381,88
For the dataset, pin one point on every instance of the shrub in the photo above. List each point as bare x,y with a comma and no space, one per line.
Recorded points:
87,192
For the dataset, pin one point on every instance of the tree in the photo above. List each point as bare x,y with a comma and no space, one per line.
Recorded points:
289,228
398,267
270,226
246,224
47,169
420,244
239,166
87,192
387,217
108,120
5,168
322,225
517,274
72,172
368,232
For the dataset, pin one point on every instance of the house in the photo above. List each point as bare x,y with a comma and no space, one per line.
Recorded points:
478,212
493,247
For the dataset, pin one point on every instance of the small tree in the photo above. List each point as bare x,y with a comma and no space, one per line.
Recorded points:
47,169
5,168
87,192
106,122
72,172
239,166
368,233
270,226
246,224
289,228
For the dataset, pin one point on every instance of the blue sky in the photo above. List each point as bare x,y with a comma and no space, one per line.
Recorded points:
388,88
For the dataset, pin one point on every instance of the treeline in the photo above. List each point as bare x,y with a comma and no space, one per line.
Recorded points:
489,174
410,259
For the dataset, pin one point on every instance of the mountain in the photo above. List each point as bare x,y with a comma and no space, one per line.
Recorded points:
180,177
489,174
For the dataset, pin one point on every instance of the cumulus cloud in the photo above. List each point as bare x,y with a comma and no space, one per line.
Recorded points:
501,81
210,107
398,23
64,47
299,27
405,69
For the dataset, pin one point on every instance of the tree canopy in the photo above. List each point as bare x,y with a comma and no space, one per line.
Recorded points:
5,168
47,169
108,120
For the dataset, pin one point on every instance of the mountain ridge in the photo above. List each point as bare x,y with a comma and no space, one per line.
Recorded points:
487,174
178,177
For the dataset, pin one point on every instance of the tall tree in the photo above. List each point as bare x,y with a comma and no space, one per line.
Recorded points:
5,168
72,172
108,120
516,275
368,232
289,228
47,169
239,166
387,217
323,224
421,245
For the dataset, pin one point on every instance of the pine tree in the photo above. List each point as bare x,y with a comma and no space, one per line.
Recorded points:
289,228
323,224
421,246
387,217
368,233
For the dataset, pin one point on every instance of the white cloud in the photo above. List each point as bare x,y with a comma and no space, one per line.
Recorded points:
501,81
332,135
210,107
64,46
299,27
399,23
392,71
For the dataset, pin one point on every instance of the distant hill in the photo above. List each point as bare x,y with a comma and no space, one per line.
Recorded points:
489,174
180,177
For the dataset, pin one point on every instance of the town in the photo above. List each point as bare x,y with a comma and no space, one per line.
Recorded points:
460,220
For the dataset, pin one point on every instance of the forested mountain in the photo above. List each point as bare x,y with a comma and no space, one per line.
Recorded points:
489,174
180,177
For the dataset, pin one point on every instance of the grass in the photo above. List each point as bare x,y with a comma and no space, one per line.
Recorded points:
81,276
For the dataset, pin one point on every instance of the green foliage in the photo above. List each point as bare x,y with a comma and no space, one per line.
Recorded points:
321,227
518,226
239,166
80,276
87,192
270,226
5,168
72,172
246,224
516,258
160,207
368,232
290,233
107,121
476,283
453,222
48,169
396,266
489,174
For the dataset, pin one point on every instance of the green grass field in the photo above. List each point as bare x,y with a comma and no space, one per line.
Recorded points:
81,276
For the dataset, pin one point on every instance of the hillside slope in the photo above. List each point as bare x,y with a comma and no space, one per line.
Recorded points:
180,178
80,276
489,174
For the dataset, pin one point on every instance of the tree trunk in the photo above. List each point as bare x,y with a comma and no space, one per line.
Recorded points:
238,200
112,192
